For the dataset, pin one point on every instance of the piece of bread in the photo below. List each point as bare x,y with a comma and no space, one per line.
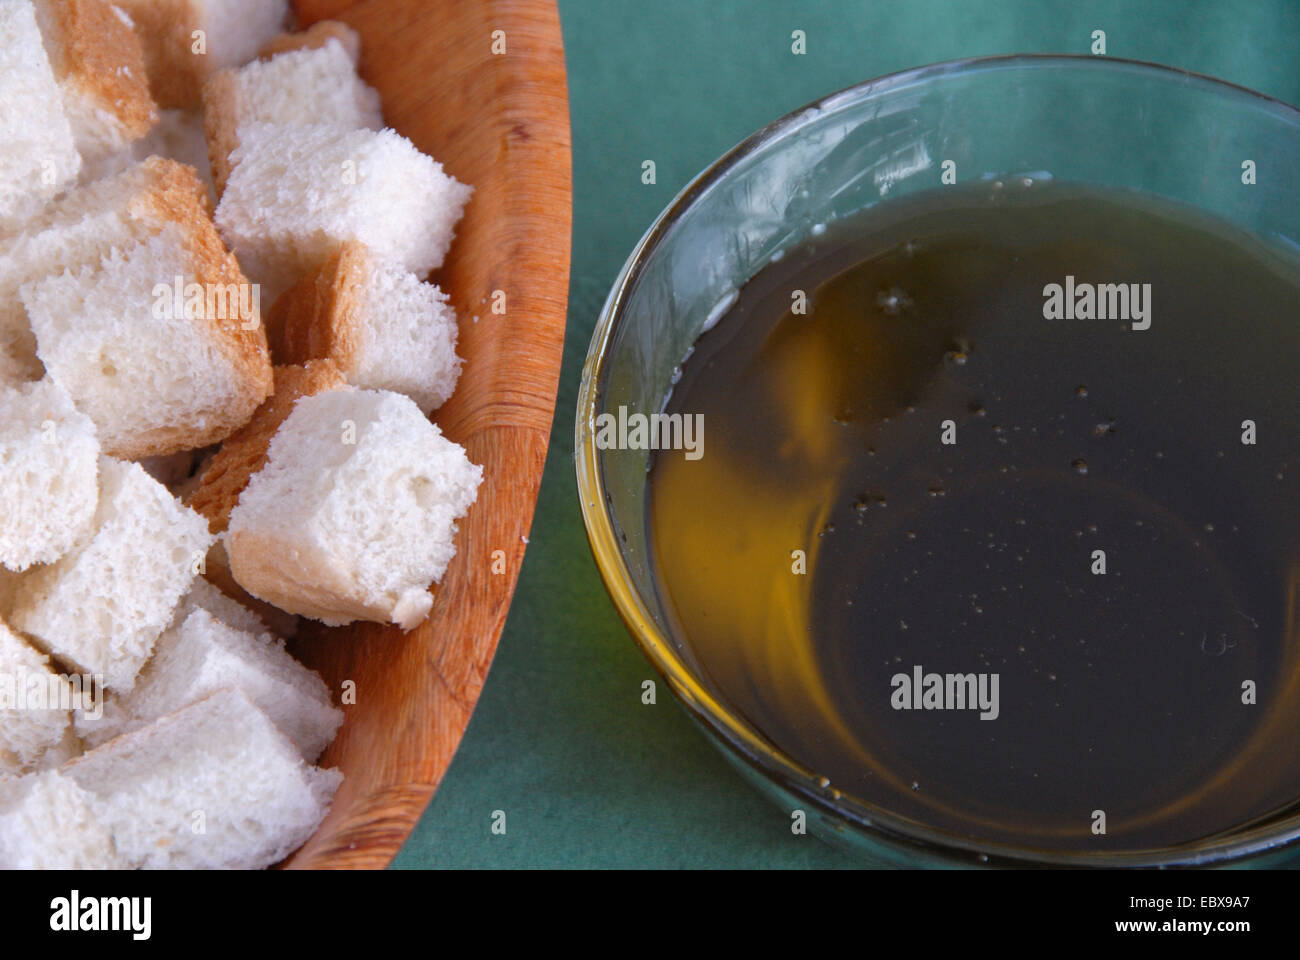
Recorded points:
47,822
354,514
316,85
292,201
178,135
34,705
49,463
204,596
186,41
318,35
200,655
101,607
156,375
80,229
244,452
384,328
99,66
38,157
213,785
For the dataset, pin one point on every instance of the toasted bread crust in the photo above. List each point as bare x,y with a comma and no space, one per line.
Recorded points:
220,108
318,318
175,73
313,38
244,452
98,54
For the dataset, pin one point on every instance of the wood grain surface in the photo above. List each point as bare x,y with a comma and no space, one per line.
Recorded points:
501,124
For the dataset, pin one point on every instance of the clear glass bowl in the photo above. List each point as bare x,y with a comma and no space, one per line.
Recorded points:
1096,120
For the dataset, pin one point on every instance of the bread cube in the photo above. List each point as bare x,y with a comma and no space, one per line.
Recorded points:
384,328
102,606
154,373
354,514
200,655
317,85
99,66
296,195
37,155
47,822
49,464
212,786
77,231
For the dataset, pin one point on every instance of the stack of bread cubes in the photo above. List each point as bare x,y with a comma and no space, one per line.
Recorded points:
218,358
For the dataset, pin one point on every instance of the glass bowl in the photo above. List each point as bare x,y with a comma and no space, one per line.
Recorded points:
1096,120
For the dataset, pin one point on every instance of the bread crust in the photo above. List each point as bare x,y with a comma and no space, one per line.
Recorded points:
319,317
96,53
175,73
220,108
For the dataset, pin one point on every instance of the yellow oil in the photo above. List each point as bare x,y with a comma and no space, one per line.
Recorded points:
829,540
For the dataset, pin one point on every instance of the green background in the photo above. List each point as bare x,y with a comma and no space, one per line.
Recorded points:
587,775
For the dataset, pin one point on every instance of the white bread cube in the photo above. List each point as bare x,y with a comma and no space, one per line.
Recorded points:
103,605
154,379
292,201
81,228
200,655
212,786
186,41
49,467
34,705
382,327
311,85
354,514
37,154
47,822
99,66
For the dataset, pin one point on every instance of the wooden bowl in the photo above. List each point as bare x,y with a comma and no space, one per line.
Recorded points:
501,124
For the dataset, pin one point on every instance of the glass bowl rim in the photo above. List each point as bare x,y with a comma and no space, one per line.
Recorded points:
742,742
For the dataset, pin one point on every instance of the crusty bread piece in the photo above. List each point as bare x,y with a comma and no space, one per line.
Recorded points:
213,785
102,606
292,201
318,35
316,85
244,452
229,32
354,513
49,462
155,376
384,328
81,228
47,823
199,655
217,572
34,705
99,65
37,153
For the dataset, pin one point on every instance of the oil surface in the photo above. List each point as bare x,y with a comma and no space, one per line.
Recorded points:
1157,687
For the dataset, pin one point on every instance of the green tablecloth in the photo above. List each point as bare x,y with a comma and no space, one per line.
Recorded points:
587,775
